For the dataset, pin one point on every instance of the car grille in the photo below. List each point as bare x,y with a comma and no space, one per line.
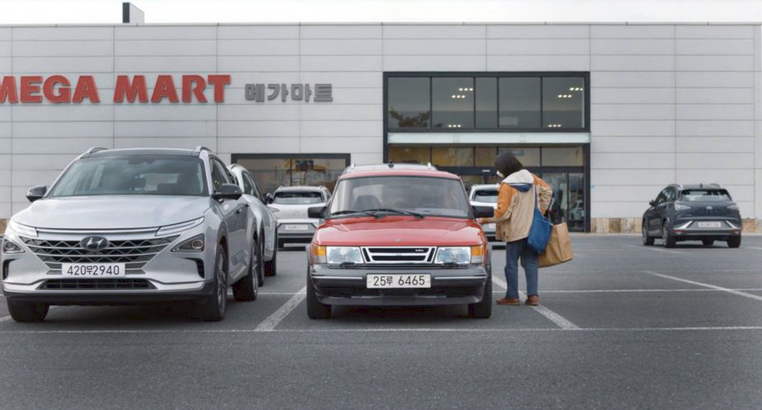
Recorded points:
399,255
97,284
134,253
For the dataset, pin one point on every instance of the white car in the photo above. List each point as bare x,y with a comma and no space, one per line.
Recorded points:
266,223
290,205
485,195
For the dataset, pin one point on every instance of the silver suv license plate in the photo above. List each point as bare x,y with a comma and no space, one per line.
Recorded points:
93,270
422,281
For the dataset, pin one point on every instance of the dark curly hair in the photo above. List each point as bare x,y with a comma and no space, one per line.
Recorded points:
507,164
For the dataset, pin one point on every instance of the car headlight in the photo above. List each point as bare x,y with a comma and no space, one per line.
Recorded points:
337,255
679,207
194,244
733,207
11,247
458,255
22,229
182,226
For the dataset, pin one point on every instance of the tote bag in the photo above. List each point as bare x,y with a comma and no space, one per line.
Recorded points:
539,232
559,248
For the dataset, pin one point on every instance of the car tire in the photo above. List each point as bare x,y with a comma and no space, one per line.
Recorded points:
483,309
247,289
648,240
25,312
271,265
668,239
707,242
213,308
734,242
315,309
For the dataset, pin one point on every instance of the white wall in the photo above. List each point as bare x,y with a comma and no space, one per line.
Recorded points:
669,103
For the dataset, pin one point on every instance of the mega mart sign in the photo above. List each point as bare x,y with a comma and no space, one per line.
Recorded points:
58,89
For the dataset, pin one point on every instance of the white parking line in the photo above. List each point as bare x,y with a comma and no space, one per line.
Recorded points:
5,318
706,285
274,320
554,317
658,249
385,330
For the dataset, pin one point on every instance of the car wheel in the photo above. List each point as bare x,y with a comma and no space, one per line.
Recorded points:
734,241
270,266
483,309
213,308
648,240
27,312
707,241
667,238
315,309
247,289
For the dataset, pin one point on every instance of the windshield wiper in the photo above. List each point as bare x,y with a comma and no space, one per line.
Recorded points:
350,211
396,211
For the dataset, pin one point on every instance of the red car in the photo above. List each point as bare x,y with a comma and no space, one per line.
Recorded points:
399,235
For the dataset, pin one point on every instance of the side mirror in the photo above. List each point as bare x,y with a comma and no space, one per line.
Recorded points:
229,191
316,212
652,202
483,211
269,198
36,192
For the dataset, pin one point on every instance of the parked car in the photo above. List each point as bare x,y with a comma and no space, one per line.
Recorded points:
290,205
132,226
399,235
485,195
703,212
266,223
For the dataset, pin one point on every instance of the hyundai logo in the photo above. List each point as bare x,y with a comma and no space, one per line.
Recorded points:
94,243
709,208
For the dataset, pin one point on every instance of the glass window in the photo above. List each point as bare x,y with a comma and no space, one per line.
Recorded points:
529,157
519,103
563,102
254,188
133,175
486,195
485,156
453,103
298,197
576,216
219,176
708,195
452,156
247,187
560,157
486,103
409,103
414,155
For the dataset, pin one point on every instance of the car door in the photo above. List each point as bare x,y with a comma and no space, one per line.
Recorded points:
233,212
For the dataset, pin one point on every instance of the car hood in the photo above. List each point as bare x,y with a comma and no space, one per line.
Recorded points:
400,231
112,212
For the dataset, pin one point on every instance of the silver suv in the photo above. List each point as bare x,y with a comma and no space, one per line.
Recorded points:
132,226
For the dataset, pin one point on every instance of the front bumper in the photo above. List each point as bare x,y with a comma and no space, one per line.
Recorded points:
456,286
196,292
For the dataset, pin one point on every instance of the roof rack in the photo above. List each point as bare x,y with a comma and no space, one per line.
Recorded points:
93,150
201,148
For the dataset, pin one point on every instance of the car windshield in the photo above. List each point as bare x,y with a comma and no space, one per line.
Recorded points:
133,175
297,198
486,195
705,195
420,195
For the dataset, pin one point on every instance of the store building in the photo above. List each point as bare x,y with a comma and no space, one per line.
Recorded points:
607,113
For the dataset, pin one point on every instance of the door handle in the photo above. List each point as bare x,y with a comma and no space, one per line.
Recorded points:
239,210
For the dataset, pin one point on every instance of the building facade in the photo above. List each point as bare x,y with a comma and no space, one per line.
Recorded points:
607,113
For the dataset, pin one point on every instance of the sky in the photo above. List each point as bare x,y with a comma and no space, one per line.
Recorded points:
14,12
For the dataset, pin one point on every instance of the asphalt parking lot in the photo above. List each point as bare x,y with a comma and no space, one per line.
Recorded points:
622,326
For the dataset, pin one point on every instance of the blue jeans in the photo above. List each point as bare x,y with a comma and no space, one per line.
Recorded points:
514,250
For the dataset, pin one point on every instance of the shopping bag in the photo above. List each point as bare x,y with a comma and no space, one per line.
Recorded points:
539,232
559,248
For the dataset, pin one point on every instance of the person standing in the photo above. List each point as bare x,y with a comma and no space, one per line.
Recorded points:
519,191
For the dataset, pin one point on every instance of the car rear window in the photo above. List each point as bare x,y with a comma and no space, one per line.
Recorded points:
705,195
486,195
298,198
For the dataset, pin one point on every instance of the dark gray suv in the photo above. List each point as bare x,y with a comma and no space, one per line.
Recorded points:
703,212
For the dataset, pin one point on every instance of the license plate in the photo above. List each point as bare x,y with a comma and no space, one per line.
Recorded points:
93,270
710,224
297,227
422,281
489,227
